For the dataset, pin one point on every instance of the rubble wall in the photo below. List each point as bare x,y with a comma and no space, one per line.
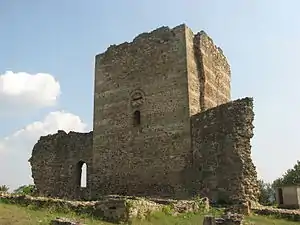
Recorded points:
56,164
222,162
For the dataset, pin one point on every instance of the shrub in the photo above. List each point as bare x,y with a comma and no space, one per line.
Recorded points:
26,190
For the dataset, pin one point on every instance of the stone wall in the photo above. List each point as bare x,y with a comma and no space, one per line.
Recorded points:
56,164
164,76
214,72
227,219
209,73
222,163
163,126
293,215
147,75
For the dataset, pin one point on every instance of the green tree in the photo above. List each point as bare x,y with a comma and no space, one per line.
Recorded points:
267,193
4,188
26,190
290,177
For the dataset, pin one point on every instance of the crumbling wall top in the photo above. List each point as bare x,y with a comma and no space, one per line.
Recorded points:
41,147
208,43
160,34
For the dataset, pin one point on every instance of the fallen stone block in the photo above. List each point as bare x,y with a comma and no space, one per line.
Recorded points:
64,221
209,220
227,219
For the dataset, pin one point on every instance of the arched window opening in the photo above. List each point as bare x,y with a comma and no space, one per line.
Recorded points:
81,174
137,118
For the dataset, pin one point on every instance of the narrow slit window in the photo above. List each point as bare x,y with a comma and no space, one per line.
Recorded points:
137,118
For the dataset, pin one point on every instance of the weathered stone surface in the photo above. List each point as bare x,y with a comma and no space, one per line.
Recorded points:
209,73
56,164
231,219
224,171
64,221
289,214
209,220
227,219
147,159
242,208
163,126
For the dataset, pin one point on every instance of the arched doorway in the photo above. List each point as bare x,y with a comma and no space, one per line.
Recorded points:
81,174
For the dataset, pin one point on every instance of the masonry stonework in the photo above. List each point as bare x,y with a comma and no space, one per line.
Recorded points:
221,147
164,125
56,164
208,73
150,157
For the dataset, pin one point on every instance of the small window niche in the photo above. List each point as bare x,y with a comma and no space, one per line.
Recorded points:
137,118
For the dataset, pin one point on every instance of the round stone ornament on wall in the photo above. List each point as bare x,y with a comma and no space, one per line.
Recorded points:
137,98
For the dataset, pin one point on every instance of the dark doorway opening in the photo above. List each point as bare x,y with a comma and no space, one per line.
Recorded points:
137,118
280,196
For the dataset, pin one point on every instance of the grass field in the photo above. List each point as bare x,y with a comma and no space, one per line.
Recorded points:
17,215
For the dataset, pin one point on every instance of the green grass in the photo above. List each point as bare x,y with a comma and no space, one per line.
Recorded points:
17,215
269,220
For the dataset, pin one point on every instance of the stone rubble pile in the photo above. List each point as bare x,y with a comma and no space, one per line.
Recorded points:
111,208
227,219
243,208
290,214
64,221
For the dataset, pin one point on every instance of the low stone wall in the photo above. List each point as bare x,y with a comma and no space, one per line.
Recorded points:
109,208
227,219
64,221
293,215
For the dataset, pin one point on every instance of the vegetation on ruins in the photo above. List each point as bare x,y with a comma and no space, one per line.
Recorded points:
34,216
26,190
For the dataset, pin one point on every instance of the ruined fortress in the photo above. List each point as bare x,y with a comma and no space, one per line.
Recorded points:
164,126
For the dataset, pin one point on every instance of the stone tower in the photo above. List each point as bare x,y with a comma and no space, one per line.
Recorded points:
145,93
164,126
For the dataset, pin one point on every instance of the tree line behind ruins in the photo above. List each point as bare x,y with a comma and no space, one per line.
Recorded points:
267,190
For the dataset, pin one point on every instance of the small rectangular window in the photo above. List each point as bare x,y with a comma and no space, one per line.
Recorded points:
137,118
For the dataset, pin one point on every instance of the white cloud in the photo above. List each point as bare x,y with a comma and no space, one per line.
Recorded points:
24,91
15,150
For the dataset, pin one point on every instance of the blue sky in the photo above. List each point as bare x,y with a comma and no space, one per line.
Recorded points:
261,40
